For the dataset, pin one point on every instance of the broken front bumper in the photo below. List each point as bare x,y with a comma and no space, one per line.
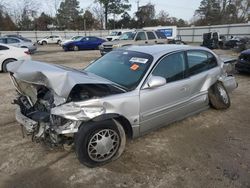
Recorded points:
30,125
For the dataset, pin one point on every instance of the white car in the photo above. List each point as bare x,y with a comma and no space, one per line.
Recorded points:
50,40
115,35
69,40
11,53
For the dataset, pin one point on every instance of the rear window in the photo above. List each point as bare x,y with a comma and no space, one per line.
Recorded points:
200,61
160,35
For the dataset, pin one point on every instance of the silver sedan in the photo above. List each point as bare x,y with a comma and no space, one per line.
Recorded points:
20,43
124,94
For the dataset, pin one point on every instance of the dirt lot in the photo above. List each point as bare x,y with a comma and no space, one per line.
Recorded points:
211,149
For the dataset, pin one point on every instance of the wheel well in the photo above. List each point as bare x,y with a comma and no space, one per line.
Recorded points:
7,60
121,119
126,126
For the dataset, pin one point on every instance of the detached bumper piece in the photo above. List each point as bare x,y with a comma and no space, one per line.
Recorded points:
230,83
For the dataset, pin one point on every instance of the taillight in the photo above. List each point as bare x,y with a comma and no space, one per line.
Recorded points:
27,52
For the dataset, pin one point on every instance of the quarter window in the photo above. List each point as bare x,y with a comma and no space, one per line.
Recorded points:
171,67
200,61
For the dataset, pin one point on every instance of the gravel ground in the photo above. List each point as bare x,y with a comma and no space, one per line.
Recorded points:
211,149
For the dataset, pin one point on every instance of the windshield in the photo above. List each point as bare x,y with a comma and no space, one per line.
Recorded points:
113,33
127,36
125,68
80,38
76,37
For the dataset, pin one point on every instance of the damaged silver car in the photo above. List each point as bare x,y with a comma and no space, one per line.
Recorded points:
124,94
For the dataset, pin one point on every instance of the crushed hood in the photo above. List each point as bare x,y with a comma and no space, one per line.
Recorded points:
58,78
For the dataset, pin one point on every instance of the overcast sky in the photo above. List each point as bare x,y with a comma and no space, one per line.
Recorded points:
177,8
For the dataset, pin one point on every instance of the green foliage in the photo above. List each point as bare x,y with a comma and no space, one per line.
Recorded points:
68,16
115,7
145,15
25,23
6,23
41,23
212,12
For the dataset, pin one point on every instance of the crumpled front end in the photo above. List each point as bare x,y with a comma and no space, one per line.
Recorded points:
51,114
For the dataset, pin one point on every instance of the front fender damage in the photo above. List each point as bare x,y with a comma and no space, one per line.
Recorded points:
80,111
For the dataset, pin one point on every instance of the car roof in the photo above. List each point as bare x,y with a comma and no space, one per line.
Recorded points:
161,49
8,46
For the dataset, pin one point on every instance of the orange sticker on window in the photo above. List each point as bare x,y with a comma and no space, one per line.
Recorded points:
134,67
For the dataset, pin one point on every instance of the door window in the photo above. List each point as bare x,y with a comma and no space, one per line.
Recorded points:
171,67
200,61
141,36
151,36
12,40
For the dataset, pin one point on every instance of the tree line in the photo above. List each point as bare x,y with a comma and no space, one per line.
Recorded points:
111,14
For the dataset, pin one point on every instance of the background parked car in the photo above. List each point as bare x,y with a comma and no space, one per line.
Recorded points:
10,53
20,37
69,40
114,35
243,63
50,40
83,43
139,37
17,42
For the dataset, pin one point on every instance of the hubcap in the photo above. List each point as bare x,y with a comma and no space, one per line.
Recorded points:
103,145
223,94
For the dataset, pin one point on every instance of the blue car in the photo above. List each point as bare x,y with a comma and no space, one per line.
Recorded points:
83,43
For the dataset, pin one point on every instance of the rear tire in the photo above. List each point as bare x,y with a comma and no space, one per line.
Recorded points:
4,65
218,96
75,48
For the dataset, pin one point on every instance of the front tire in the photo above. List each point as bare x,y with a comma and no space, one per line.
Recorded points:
218,96
98,143
75,48
44,43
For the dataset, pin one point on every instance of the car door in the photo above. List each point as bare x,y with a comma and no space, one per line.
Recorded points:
50,39
13,42
93,43
84,43
151,38
165,104
141,38
2,53
203,72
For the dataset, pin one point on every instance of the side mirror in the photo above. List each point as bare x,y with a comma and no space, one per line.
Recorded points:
156,81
